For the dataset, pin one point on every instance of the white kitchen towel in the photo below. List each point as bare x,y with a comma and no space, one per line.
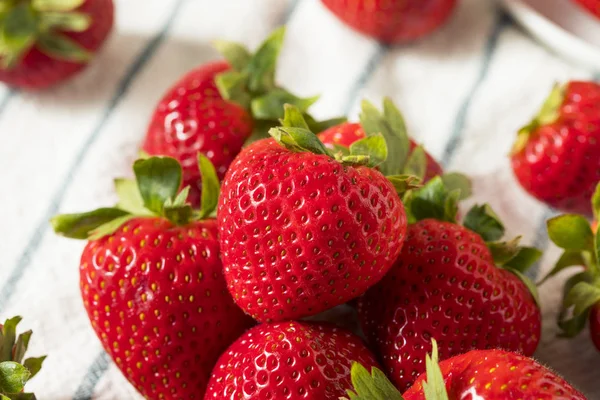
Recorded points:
464,90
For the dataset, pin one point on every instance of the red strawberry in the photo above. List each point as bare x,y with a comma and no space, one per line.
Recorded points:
591,5
394,131
301,231
581,296
46,42
476,375
152,283
557,156
445,284
215,108
393,21
288,360
14,372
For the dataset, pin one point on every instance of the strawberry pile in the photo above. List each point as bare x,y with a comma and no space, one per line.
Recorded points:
247,219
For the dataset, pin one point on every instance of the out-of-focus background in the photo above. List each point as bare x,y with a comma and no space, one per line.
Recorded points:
464,91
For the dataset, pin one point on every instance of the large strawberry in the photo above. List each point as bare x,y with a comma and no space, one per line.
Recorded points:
303,230
453,282
407,157
215,108
152,283
393,21
592,6
476,375
288,360
46,42
557,156
14,372
581,297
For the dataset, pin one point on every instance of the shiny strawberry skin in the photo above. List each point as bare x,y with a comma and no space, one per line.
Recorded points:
347,133
560,164
39,71
497,375
301,233
288,360
445,286
592,5
157,299
393,21
192,117
594,321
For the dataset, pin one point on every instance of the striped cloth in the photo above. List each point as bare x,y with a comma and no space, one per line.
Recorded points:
464,92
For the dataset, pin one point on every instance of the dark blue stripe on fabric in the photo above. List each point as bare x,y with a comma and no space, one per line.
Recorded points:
6,99
290,11
541,242
459,123
365,75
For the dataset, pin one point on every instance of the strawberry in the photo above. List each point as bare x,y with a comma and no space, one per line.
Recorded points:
152,283
216,107
581,295
476,375
592,6
454,282
46,42
557,156
288,360
410,158
303,230
393,21
14,372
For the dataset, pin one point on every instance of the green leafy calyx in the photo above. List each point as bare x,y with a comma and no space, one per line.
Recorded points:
154,193
43,24
14,370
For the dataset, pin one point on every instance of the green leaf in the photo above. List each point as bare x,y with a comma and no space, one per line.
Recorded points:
21,396
66,22
340,150
528,283
130,199
525,258
583,296
482,220
180,199
451,205
236,55
210,186
573,325
261,68
19,28
63,48
434,387
569,258
270,105
372,146
80,226
21,346
158,179
56,5
430,202
293,118
232,86
298,140
596,203
454,180
503,252
373,386
320,126
571,232
13,377
109,227
417,163
391,126
404,184
34,365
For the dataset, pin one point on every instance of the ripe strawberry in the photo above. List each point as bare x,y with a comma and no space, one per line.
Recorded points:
288,360
592,6
581,296
446,284
557,156
152,283
476,375
46,42
215,108
393,21
410,158
302,231
14,372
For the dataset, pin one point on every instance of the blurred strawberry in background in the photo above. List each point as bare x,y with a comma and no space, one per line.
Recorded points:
46,42
393,21
592,5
